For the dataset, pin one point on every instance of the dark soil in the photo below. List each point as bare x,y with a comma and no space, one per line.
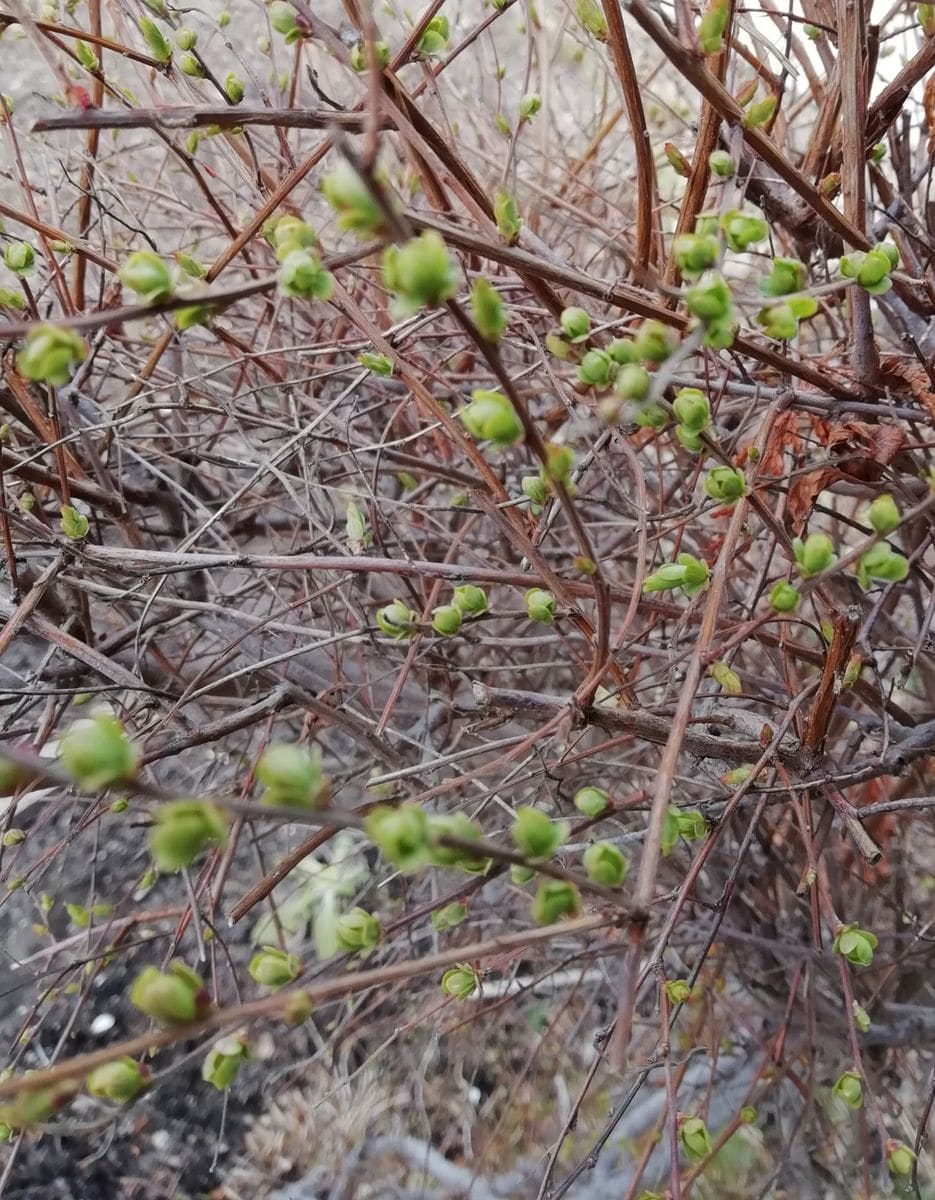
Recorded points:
179,1138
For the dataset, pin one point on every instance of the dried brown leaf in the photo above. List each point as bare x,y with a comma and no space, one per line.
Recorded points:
882,441
805,491
928,99
784,435
913,376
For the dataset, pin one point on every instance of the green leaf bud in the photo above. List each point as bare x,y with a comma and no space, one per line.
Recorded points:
32,1108
855,944
461,981
288,233
191,266
899,1158
155,40
557,346
668,576
883,563
97,753
726,678
784,597
173,997
297,1008
146,274
677,160
653,342
349,196
401,834
449,917
553,900
446,620
575,323
622,351
379,364
651,416
849,1089
302,276
871,269
535,488
358,931
595,368
814,555
491,417
787,275
50,355
75,525
398,621
688,438
721,164
283,17
558,465
712,26
540,605
591,801
695,254
605,864
725,484
633,382
695,1139
592,18
691,825
182,830
761,112
678,991
292,776
743,229
529,105
506,215
20,258
192,315
697,573
274,968
470,600
692,409
861,1017
883,514
779,321
421,271
224,1060
709,301
488,310
86,56
435,37
535,834
120,1081
360,61
233,87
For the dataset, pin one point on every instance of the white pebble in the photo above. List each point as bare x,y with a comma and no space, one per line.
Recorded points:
103,1023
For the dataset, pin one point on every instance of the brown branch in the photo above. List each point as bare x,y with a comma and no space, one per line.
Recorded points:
318,993
697,74
729,746
642,303
198,116
648,244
